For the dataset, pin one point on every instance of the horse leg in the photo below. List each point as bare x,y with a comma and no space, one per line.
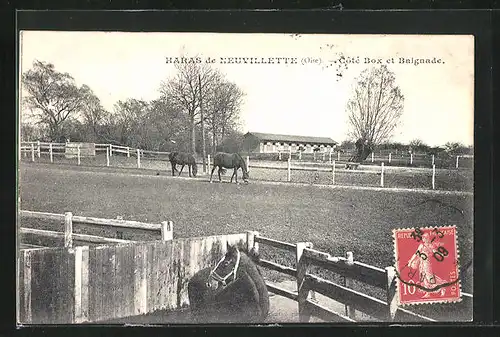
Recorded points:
234,172
182,168
220,169
211,174
173,169
189,167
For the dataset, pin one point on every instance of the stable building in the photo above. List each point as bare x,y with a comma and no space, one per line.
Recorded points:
274,143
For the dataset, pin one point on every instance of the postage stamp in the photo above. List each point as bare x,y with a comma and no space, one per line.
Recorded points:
427,265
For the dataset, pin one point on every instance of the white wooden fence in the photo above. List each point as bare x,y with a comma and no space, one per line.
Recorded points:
308,284
36,149
165,229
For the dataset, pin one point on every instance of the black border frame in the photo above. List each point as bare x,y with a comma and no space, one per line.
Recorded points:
478,23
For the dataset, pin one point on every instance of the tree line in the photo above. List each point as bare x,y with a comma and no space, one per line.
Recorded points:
57,109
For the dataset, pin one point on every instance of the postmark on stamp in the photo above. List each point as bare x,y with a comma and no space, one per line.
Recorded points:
427,265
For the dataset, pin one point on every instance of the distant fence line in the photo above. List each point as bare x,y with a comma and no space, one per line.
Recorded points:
125,279
36,148
333,167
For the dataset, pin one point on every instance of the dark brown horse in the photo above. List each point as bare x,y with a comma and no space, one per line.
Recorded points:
183,159
234,291
224,160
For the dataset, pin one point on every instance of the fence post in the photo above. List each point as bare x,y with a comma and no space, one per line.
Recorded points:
248,163
138,158
411,158
372,157
81,289
302,287
314,155
391,293
119,234
432,160
382,175
330,156
390,157
111,150
349,310
333,173
252,246
167,231
323,159
50,153
107,156
68,229
433,176
38,148
290,152
289,170
128,152
32,152
208,164
456,165
300,155
279,155
338,155
78,154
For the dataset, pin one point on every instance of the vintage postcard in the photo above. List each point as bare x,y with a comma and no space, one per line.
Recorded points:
197,178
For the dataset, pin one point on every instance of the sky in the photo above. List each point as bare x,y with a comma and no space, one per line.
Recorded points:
306,97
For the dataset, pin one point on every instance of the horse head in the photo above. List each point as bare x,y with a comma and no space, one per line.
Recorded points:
244,168
245,176
226,270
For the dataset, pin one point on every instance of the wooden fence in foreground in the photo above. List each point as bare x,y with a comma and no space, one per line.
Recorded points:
66,285
309,284
92,284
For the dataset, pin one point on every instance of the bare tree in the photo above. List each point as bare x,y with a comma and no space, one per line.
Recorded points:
93,114
223,105
53,96
417,145
183,90
129,118
375,106
170,127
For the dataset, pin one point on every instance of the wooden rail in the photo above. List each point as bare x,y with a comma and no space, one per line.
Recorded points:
77,237
165,229
308,284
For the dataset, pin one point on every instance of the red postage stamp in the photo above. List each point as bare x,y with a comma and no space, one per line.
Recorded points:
427,265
